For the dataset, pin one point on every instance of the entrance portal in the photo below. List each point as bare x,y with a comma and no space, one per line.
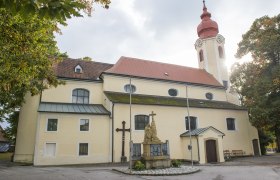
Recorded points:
211,152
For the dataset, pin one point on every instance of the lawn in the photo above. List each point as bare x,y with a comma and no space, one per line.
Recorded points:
5,156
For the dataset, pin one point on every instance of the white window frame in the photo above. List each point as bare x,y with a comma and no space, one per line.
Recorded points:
78,152
235,124
197,122
78,67
79,124
46,126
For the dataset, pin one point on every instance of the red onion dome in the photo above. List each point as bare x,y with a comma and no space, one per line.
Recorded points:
207,28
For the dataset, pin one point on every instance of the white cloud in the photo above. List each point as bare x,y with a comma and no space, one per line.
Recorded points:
160,30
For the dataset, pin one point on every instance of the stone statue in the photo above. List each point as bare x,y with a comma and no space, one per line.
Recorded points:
151,132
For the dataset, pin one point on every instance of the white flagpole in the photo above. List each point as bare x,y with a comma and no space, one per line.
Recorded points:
188,109
130,139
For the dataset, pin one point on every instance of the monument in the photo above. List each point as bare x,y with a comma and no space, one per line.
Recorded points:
123,130
155,152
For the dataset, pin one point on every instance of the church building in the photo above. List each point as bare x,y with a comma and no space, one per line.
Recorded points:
92,118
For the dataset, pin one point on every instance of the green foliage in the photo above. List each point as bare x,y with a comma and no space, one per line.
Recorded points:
87,58
265,139
258,82
10,132
176,163
58,10
139,166
28,52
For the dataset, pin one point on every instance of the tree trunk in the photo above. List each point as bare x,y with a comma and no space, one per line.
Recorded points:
278,142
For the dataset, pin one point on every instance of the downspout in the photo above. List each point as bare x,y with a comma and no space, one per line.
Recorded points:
198,149
113,132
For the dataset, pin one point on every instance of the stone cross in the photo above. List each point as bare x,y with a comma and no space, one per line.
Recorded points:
153,114
123,157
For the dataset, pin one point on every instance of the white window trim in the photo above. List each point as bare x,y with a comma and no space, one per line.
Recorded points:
133,121
78,67
197,122
71,94
45,148
78,151
46,125
88,125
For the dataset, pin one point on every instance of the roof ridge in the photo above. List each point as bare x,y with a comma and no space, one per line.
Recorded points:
80,60
126,57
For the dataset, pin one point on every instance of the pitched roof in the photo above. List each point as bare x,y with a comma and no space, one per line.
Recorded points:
199,131
91,69
156,70
123,98
96,109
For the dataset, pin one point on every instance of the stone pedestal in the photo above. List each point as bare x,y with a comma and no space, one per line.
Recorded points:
155,152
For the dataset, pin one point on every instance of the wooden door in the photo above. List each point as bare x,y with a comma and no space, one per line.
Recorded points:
211,152
256,147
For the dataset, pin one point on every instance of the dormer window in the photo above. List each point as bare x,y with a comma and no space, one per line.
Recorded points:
78,69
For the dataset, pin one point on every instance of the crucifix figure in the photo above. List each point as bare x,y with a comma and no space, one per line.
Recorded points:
123,157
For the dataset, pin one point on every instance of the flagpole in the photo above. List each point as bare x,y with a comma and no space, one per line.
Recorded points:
130,142
188,109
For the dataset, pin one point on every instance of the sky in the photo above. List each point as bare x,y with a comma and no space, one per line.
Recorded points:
158,30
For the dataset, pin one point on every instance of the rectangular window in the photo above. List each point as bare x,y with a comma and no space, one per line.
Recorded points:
136,150
225,83
141,121
52,125
50,149
83,149
84,125
193,122
165,149
230,123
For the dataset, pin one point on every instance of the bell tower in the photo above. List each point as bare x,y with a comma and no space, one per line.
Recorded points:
210,48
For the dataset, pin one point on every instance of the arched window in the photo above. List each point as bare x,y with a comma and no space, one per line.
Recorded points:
201,57
193,122
221,52
141,122
80,96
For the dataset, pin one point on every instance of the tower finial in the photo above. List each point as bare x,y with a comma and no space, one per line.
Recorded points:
204,6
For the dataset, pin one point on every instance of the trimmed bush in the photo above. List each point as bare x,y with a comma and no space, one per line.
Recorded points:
139,166
176,163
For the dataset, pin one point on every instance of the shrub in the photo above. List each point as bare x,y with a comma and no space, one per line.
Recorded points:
139,166
176,163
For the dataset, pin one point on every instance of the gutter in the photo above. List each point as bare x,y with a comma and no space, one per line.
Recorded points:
198,149
113,131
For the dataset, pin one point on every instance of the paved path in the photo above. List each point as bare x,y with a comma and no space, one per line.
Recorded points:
260,168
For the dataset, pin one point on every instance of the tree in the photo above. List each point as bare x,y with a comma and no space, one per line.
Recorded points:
58,10
258,81
27,55
28,49
10,132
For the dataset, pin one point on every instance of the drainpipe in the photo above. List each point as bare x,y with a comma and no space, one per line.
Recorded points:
198,149
113,132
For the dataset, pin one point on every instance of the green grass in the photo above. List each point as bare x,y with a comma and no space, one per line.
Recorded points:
5,156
